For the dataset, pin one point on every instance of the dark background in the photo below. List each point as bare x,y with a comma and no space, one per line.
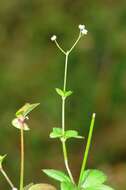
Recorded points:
31,67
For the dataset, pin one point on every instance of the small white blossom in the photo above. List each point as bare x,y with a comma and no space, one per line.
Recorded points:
82,29
14,188
53,38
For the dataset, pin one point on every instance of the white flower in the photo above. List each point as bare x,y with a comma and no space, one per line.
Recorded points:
82,29
14,188
53,38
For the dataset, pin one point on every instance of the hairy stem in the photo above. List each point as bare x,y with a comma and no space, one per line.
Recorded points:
22,160
87,147
7,178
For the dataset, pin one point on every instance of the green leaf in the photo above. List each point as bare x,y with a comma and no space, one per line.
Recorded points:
92,178
60,92
42,186
26,109
56,133
18,125
63,93
99,187
68,93
2,159
28,186
68,186
57,175
72,134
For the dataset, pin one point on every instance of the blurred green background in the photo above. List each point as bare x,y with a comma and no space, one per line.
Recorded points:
31,67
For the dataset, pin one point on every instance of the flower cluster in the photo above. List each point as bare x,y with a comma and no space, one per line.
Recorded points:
82,28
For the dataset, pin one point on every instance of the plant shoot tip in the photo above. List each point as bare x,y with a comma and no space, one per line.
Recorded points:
94,115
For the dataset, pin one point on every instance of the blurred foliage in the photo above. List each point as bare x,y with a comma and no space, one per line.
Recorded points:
31,67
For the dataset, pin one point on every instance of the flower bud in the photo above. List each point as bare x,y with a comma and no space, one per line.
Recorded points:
53,38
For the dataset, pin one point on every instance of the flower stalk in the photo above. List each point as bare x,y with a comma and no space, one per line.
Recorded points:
66,53
63,122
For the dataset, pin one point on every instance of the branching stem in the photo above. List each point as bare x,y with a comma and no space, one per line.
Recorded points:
75,42
57,44
66,53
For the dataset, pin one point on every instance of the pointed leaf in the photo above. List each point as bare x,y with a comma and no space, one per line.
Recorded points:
92,178
26,109
63,93
18,125
60,92
68,93
42,186
72,134
57,175
68,186
56,133
99,187
2,159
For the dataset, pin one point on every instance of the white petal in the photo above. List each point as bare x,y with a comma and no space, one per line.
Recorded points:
53,38
81,27
84,31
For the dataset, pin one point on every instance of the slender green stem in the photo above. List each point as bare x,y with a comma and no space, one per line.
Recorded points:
22,160
60,47
75,42
7,178
63,122
87,147
63,104
66,161
63,115
64,88
65,72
